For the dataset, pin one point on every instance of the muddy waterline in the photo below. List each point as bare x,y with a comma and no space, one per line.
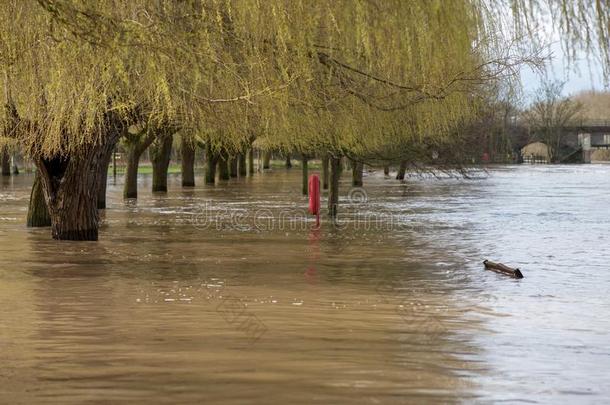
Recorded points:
226,294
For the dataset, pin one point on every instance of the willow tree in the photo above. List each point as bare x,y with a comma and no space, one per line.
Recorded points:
379,65
365,78
397,82
74,100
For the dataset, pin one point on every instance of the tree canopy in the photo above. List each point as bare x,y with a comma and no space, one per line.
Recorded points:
356,76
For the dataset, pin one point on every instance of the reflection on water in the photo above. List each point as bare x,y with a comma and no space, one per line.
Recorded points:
184,301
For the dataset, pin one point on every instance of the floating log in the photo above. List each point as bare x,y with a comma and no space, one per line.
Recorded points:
503,269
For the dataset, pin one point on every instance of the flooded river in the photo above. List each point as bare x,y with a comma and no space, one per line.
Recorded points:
227,294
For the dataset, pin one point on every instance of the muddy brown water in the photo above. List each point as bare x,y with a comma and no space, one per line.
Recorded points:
226,295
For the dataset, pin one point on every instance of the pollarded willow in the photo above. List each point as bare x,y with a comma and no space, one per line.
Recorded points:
364,78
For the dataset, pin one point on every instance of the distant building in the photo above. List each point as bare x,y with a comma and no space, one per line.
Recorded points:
600,155
536,152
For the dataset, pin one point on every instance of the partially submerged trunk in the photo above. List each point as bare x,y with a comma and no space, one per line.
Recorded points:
103,180
6,162
210,166
233,163
71,190
386,170
305,167
135,147
401,171
266,159
15,167
288,162
251,162
333,191
188,162
324,172
242,165
71,184
10,124
38,213
223,167
357,168
71,187
130,189
114,165
160,154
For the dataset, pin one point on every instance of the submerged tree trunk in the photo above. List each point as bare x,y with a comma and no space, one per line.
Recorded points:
386,170
333,191
288,162
10,124
357,168
325,172
266,159
401,171
71,184
135,147
103,180
15,167
114,165
188,162
6,162
130,189
210,166
71,187
38,213
305,170
160,154
242,165
223,167
251,162
233,163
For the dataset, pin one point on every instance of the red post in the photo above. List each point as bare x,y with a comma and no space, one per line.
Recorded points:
314,197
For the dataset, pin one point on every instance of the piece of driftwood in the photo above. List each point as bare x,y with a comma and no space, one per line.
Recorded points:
503,269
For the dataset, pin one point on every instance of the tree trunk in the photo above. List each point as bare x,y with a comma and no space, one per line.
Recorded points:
38,213
242,165
211,163
188,162
71,187
386,170
233,162
401,170
6,162
114,165
333,192
135,148
305,167
288,162
357,168
103,180
11,121
223,167
251,162
130,189
325,172
266,159
15,167
160,154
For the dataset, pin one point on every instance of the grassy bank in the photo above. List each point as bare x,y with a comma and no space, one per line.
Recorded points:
146,168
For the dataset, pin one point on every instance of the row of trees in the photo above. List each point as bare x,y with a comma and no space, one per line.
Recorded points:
507,123
377,81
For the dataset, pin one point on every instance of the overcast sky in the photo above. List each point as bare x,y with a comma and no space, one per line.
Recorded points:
586,74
